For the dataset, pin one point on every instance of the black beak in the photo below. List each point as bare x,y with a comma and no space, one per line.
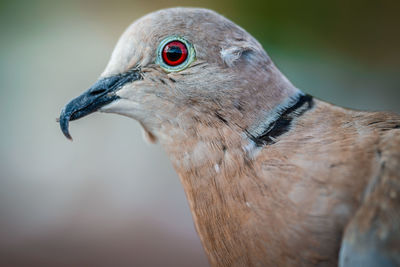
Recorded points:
100,94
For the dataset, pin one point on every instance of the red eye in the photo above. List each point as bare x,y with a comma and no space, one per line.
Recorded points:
174,53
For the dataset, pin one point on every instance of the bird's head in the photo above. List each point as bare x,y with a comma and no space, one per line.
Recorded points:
181,67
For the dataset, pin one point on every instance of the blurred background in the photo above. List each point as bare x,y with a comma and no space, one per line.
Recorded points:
108,198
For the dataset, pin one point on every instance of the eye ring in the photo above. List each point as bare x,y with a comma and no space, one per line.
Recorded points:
175,53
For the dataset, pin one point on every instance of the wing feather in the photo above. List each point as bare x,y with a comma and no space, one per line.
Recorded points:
372,238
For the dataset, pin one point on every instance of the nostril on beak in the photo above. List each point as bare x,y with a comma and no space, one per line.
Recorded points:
103,85
97,91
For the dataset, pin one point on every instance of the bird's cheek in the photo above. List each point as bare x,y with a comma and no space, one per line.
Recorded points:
130,102
124,107
130,91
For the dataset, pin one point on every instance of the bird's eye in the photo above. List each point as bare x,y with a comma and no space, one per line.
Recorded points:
175,53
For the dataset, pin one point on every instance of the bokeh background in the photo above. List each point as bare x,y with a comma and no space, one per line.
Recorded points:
108,198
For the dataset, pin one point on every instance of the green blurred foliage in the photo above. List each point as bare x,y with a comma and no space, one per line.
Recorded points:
365,30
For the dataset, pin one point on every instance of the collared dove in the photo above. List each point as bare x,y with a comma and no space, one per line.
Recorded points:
273,176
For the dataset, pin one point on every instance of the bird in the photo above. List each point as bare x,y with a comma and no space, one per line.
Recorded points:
273,175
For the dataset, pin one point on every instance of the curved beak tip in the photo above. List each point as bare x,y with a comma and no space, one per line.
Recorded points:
64,124
100,94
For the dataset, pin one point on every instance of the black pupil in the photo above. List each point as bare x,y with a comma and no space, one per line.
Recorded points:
174,53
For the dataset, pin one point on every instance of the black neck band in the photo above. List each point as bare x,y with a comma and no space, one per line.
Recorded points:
282,124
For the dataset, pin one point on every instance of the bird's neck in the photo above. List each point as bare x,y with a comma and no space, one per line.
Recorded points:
216,163
206,143
265,130
209,166
255,201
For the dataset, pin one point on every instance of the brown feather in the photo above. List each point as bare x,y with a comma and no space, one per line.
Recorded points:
290,204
